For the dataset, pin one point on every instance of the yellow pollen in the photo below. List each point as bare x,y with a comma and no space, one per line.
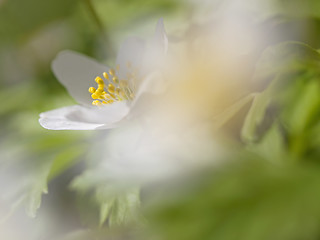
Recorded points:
112,72
123,83
99,80
92,90
112,96
111,88
115,80
99,90
96,103
95,96
106,76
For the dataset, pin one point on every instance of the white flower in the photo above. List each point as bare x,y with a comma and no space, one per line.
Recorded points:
143,153
118,90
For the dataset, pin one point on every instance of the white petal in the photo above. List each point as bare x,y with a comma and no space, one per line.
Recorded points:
77,73
84,118
160,38
153,84
156,50
131,51
148,95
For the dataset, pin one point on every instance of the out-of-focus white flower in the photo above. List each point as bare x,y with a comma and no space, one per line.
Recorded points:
118,90
169,141
142,153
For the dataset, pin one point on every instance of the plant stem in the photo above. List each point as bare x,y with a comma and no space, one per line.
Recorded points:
101,27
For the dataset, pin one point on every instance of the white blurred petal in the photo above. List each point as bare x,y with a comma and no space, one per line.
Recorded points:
131,51
147,153
77,73
160,37
153,84
156,49
84,118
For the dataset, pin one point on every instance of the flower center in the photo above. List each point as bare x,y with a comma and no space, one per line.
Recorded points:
111,89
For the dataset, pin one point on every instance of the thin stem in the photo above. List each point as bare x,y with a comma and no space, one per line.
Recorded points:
100,25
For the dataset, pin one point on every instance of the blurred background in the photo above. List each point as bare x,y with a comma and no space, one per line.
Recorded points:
267,186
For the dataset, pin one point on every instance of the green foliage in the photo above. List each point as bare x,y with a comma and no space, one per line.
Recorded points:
249,199
296,70
19,19
230,112
296,8
118,204
267,190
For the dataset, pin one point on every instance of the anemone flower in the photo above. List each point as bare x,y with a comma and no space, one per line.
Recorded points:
117,90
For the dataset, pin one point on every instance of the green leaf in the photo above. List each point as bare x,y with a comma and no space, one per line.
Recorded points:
125,208
106,197
284,66
66,159
305,108
272,146
105,209
255,116
230,112
38,187
284,58
118,202
19,19
88,180
246,200
296,8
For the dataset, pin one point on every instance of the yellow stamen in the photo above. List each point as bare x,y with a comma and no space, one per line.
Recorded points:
111,88
123,83
106,76
112,96
96,103
115,80
99,90
92,90
99,80
95,96
112,72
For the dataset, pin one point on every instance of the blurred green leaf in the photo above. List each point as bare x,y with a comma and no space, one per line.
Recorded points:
19,19
283,66
283,58
136,11
247,200
118,203
230,112
296,8
272,146
66,159
125,208
255,116
38,187
87,180
305,108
